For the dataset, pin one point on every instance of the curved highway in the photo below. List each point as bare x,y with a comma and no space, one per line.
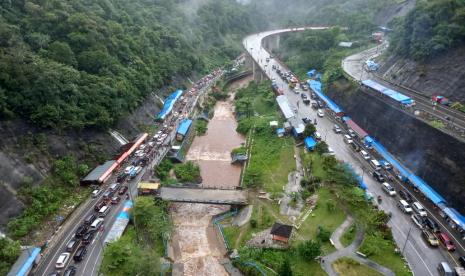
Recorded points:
422,259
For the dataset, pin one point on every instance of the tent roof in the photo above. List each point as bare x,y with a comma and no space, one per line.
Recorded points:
184,126
316,87
310,142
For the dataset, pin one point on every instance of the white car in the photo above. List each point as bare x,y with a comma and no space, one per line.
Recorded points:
418,208
365,155
128,169
320,113
296,91
95,193
317,135
388,189
418,220
331,151
62,260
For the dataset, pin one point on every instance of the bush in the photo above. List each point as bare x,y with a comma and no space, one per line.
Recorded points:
253,223
188,172
244,125
253,177
309,250
163,169
323,234
201,127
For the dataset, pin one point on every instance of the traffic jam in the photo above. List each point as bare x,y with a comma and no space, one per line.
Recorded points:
92,225
436,228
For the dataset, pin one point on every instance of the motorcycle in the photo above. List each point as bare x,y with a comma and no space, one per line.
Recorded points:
379,199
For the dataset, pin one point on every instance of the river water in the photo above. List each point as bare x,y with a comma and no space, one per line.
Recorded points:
196,247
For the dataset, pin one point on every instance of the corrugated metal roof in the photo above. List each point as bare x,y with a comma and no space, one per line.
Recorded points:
357,129
99,171
184,126
24,262
285,106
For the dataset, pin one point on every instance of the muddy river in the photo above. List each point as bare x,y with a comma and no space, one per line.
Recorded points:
196,248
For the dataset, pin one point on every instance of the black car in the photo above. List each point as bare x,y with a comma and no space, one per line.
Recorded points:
320,104
462,261
81,231
122,190
303,96
313,95
431,224
88,237
121,178
70,271
80,253
306,120
89,219
405,195
378,176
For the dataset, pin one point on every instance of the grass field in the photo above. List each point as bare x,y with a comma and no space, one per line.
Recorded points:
350,267
349,236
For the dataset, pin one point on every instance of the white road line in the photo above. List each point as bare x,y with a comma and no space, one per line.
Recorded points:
413,247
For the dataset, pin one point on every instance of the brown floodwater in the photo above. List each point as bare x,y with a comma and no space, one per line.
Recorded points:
196,247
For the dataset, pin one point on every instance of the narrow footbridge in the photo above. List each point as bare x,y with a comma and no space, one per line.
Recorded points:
204,195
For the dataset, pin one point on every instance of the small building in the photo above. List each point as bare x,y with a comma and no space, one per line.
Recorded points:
345,44
310,143
183,128
100,174
274,124
281,232
148,188
28,259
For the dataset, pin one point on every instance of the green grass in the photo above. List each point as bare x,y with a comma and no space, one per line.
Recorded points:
437,124
327,214
314,162
350,267
349,236
385,255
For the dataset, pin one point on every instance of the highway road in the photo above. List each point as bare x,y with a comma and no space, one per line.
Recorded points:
89,266
422,259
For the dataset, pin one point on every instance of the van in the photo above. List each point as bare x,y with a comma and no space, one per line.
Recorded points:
404,206
418,208
103,211
96,224
375,164
444,269
72,245
365,155
348,139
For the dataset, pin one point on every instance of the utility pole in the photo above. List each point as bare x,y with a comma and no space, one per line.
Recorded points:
406,239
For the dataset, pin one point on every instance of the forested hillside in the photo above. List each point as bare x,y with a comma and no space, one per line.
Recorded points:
433,27
83,63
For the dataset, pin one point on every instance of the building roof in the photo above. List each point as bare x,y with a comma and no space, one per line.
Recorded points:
285,107
282,230
346,44
24,262
184,126
148,186
100,171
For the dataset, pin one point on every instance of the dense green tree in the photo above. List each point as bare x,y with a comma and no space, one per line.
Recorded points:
309,249
285,269
9,251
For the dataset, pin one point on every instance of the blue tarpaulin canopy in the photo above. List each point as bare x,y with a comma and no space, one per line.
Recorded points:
168,105
310,143
368,141
311,73
455,216
316,87
184,127
399,97
280,131
25,262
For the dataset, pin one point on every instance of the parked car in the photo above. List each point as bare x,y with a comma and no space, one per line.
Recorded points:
461,260
429,237
445,269
89,219
331,151
96,224
418,220
88,237
128,169
365,155
348,139
317,136
378,176
70,271
95,193
115,200
62,260
320,113
80,253
99,205
446,241
303,96
351,133
406,195
72,245
336,129
81,231
431,224
122,190
388,189
403,205
418,208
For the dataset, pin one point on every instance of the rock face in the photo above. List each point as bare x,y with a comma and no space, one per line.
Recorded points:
436,157
443,75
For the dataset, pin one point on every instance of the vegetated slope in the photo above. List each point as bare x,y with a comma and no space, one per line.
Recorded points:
72,69
436,157
428,48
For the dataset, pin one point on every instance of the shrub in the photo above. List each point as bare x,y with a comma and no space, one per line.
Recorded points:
201,127
253,223
323,234
309,250
188,172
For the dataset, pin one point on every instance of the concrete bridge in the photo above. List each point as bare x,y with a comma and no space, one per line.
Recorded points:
206,195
